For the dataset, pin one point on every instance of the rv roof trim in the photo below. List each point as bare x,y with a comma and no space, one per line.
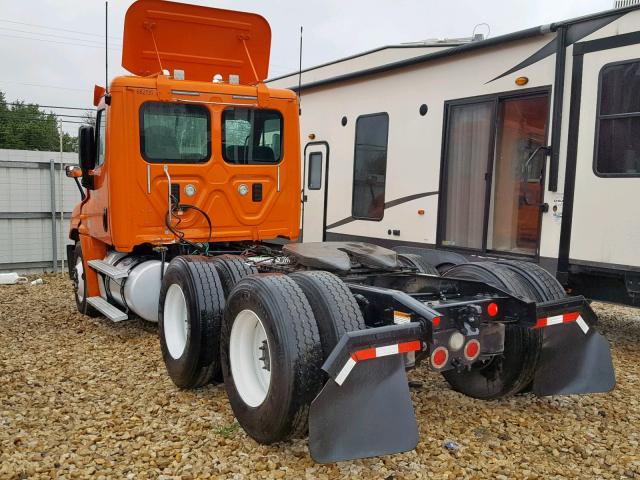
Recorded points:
456,49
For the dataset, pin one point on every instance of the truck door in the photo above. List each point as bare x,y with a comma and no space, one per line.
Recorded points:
602,227
97,207
314,187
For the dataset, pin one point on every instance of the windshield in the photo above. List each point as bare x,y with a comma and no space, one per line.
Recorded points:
251,136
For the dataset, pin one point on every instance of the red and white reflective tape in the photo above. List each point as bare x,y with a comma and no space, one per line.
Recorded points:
376,352
564,318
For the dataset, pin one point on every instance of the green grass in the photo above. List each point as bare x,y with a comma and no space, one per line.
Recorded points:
227,431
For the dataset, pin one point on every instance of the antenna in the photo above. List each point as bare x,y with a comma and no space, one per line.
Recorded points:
106,47
300,77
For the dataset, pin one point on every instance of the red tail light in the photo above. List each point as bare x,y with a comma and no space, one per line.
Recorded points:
492,309
439,357
472,349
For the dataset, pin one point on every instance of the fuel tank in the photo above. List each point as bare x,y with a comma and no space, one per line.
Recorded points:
140,291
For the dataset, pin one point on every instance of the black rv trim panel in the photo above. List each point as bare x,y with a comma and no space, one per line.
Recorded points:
558,98
570,168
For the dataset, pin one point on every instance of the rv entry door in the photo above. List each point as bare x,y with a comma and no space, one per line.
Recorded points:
314,187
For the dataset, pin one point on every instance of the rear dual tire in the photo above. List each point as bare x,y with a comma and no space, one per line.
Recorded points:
334,307
189,319
513,371
297,320
191,306
275,333
269,324
413,260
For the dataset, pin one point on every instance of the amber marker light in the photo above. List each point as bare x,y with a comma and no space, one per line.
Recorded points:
521,81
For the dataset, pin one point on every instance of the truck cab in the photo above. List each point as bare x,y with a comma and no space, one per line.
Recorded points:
192,147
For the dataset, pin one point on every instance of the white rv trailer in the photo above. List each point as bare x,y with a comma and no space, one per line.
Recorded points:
521,146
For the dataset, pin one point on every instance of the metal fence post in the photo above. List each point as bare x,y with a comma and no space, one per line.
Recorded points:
54,236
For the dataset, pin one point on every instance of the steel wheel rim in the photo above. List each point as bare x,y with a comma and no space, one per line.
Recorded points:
175,321
250,358
79,280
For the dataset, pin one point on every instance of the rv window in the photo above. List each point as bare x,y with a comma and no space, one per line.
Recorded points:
251,136
174,133
101,128
370,166
618,124
315,171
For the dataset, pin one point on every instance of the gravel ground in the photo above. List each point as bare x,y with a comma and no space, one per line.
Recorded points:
83,397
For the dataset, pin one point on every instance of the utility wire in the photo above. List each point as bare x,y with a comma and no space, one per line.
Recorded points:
56,42
43,120
43,117
15,112
55,28
45,86
58,36
49,106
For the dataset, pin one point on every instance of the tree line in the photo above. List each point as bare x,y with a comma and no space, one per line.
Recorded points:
25,127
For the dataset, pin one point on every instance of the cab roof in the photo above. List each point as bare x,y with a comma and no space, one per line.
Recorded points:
201,41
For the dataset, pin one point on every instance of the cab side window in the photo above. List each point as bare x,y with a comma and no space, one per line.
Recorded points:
101,129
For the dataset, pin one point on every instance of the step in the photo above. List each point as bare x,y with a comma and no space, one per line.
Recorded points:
109,270
112,313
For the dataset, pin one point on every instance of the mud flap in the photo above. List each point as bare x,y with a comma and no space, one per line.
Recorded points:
370,414
574,361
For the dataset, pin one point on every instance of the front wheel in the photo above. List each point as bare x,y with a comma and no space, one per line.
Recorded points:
78,276
271,357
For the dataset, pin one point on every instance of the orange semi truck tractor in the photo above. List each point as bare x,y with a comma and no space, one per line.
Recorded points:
193,165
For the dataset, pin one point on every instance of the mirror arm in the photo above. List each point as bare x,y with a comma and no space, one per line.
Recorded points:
82,194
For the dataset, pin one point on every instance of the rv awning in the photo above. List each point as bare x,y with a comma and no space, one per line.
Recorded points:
201,41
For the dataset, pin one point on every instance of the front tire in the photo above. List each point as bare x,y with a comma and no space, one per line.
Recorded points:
268,325
189,319
79,278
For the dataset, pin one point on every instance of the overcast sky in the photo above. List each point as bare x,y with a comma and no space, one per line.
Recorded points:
51,51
